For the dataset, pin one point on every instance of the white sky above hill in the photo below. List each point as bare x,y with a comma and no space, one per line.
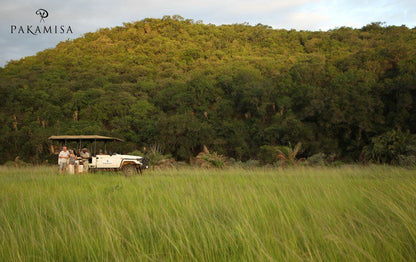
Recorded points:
88,16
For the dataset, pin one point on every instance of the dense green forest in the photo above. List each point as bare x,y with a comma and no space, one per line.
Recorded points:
241,90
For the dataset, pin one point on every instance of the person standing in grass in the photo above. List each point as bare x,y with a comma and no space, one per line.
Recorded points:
62,160
72,163
85,155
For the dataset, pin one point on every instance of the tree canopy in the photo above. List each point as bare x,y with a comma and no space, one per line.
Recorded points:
181,84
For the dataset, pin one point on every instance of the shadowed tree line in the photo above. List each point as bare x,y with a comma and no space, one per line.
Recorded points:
240,90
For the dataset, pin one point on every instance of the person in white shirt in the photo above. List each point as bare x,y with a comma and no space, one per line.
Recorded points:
63,159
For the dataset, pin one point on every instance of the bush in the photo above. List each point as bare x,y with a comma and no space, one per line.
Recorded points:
317,159
268,154
17,163
155,156
251,163
10,164
407,161
214,159
394,147
136,153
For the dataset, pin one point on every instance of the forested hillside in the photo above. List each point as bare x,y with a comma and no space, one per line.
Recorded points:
181,84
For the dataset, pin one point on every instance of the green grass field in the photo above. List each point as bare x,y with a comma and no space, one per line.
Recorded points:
321,214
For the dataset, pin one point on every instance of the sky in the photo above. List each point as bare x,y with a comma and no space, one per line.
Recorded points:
89,16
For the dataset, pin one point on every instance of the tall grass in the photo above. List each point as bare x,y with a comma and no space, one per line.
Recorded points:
319,214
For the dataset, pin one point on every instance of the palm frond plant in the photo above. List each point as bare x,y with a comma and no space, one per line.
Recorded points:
287,154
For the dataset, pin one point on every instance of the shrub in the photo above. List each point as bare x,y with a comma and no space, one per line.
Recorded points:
251,163
155,156
268,154
394,147
214,159
208,159
317,159
407,161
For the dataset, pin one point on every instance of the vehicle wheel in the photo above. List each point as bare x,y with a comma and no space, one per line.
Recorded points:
129,170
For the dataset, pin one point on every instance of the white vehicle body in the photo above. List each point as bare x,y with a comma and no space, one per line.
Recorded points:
116,161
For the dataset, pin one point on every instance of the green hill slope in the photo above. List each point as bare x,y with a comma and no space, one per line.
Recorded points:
181,84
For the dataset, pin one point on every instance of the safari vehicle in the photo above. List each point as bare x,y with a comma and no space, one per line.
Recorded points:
103,161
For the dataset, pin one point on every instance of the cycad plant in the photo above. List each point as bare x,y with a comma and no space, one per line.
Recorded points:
287,154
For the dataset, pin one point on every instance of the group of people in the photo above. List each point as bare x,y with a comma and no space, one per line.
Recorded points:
67,159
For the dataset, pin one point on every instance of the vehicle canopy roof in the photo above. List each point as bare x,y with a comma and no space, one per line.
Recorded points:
79,139
84,137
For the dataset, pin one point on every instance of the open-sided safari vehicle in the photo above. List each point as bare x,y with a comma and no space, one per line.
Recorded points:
104,161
